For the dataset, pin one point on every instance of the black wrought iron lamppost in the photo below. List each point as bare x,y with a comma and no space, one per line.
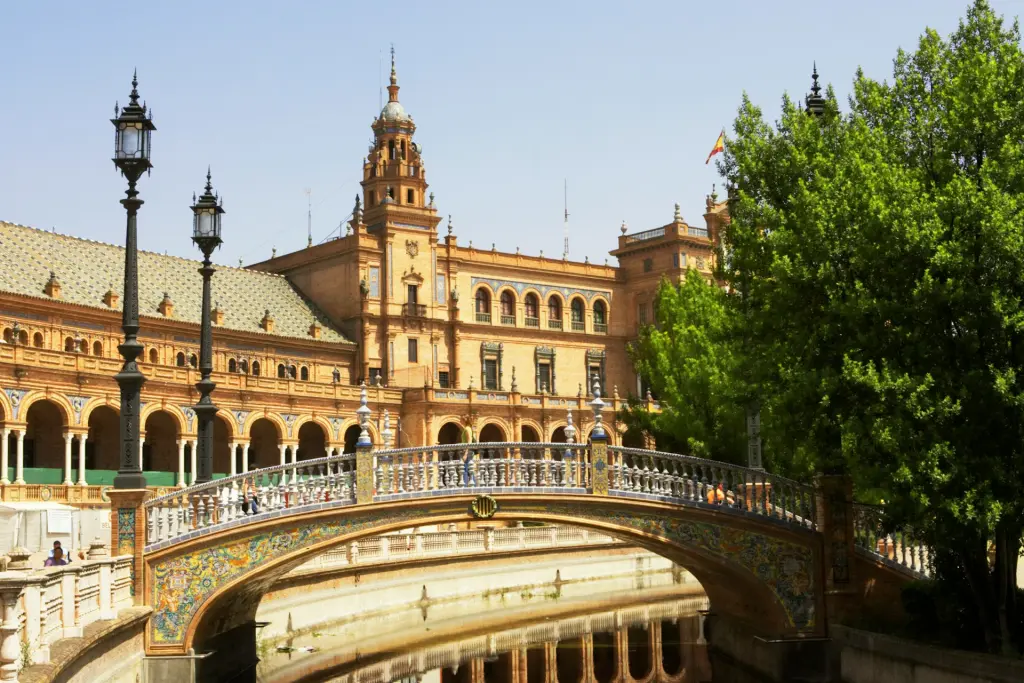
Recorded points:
206,234
133,130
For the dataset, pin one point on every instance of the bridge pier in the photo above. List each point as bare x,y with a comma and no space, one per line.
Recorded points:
128,533
737,655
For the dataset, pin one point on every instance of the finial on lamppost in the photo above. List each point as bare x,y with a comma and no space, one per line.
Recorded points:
363,415
597,405
386,433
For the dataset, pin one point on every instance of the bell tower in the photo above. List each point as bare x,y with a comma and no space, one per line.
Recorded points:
394,180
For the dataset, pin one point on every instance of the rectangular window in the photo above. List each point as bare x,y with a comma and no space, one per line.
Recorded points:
441,295
682,259
391,274
642,314
412,294
490,379
374,374
544,377
410,197
391,359
374,282
648,265
442,379
414,351
675,260
592,371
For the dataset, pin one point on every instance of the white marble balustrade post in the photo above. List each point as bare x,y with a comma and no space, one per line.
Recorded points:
181,463
81,459
19,463
194,460
4,460
10,645
67,458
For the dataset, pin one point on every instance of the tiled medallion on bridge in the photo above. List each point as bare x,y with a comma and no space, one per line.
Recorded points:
181,584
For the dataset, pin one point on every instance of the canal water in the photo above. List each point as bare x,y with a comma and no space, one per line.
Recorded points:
648,641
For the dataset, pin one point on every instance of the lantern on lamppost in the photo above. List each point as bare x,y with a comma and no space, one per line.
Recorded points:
206,226
133,128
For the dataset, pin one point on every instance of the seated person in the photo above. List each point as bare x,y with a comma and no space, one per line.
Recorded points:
57,559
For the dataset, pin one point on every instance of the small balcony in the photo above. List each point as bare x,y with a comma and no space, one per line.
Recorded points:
532,322
483,317
414,310
508,320
554,324
578,326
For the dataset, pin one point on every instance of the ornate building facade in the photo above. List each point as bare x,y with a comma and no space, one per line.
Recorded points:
447,336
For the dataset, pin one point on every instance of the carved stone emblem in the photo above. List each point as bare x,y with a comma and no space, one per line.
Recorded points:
412,247
484,507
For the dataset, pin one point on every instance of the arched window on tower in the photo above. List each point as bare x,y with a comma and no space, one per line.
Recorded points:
531,309
391,150
179,360
554,313
291,372
483,306
97,348
37,340
232,365
600,317
508,308
281,372
193,360
304,374
255,368
243,367
153,356
576,311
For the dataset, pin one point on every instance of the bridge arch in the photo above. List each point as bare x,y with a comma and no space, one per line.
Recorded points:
763,573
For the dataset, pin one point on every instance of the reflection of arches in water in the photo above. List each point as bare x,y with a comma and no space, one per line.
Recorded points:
623,641
671,647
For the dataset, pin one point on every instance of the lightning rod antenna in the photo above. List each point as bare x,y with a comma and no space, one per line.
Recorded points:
565,204
309,217
380,79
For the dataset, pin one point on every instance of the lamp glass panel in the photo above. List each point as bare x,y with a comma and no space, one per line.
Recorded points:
130,141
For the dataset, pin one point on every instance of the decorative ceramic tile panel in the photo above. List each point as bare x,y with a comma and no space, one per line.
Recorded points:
126,538
180,585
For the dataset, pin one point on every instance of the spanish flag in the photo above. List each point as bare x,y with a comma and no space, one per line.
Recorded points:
719,146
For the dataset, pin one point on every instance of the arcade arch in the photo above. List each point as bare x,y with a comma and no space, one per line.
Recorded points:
312,441
264,443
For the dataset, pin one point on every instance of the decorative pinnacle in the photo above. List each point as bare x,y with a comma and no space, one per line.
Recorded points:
394,74
623,229
678,216
363,414
386,433
135,88
570,429
597,405
815,102
815,88
209,181
515,386
449,224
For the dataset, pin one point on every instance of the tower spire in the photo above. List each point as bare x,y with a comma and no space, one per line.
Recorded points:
393,88
815,102
309,217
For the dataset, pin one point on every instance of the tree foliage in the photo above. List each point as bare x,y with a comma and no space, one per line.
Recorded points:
689,358
880,255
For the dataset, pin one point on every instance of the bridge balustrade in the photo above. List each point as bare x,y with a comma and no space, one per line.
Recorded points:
551,468
683,478
898,547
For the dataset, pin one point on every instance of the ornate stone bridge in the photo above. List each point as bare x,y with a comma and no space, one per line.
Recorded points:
203,556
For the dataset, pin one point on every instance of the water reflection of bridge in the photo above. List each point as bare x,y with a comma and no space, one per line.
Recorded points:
644,643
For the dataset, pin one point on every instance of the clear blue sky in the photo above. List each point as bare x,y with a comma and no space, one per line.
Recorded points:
624,99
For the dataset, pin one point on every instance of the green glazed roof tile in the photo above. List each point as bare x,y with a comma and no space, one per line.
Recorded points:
86,270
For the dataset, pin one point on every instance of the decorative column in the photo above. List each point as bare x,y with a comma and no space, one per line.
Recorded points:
245,457
283,448
364,452
181,463
81,459
67,458
19,463
234,456
598,445
5,463
194,458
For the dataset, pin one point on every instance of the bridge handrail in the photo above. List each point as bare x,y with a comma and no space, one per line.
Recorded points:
485,445
262,471
900,548
712,463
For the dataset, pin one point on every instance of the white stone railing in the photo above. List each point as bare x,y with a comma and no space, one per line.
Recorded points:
43,606
405,547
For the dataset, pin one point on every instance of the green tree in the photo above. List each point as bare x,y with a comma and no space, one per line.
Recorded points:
691,363
881,254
